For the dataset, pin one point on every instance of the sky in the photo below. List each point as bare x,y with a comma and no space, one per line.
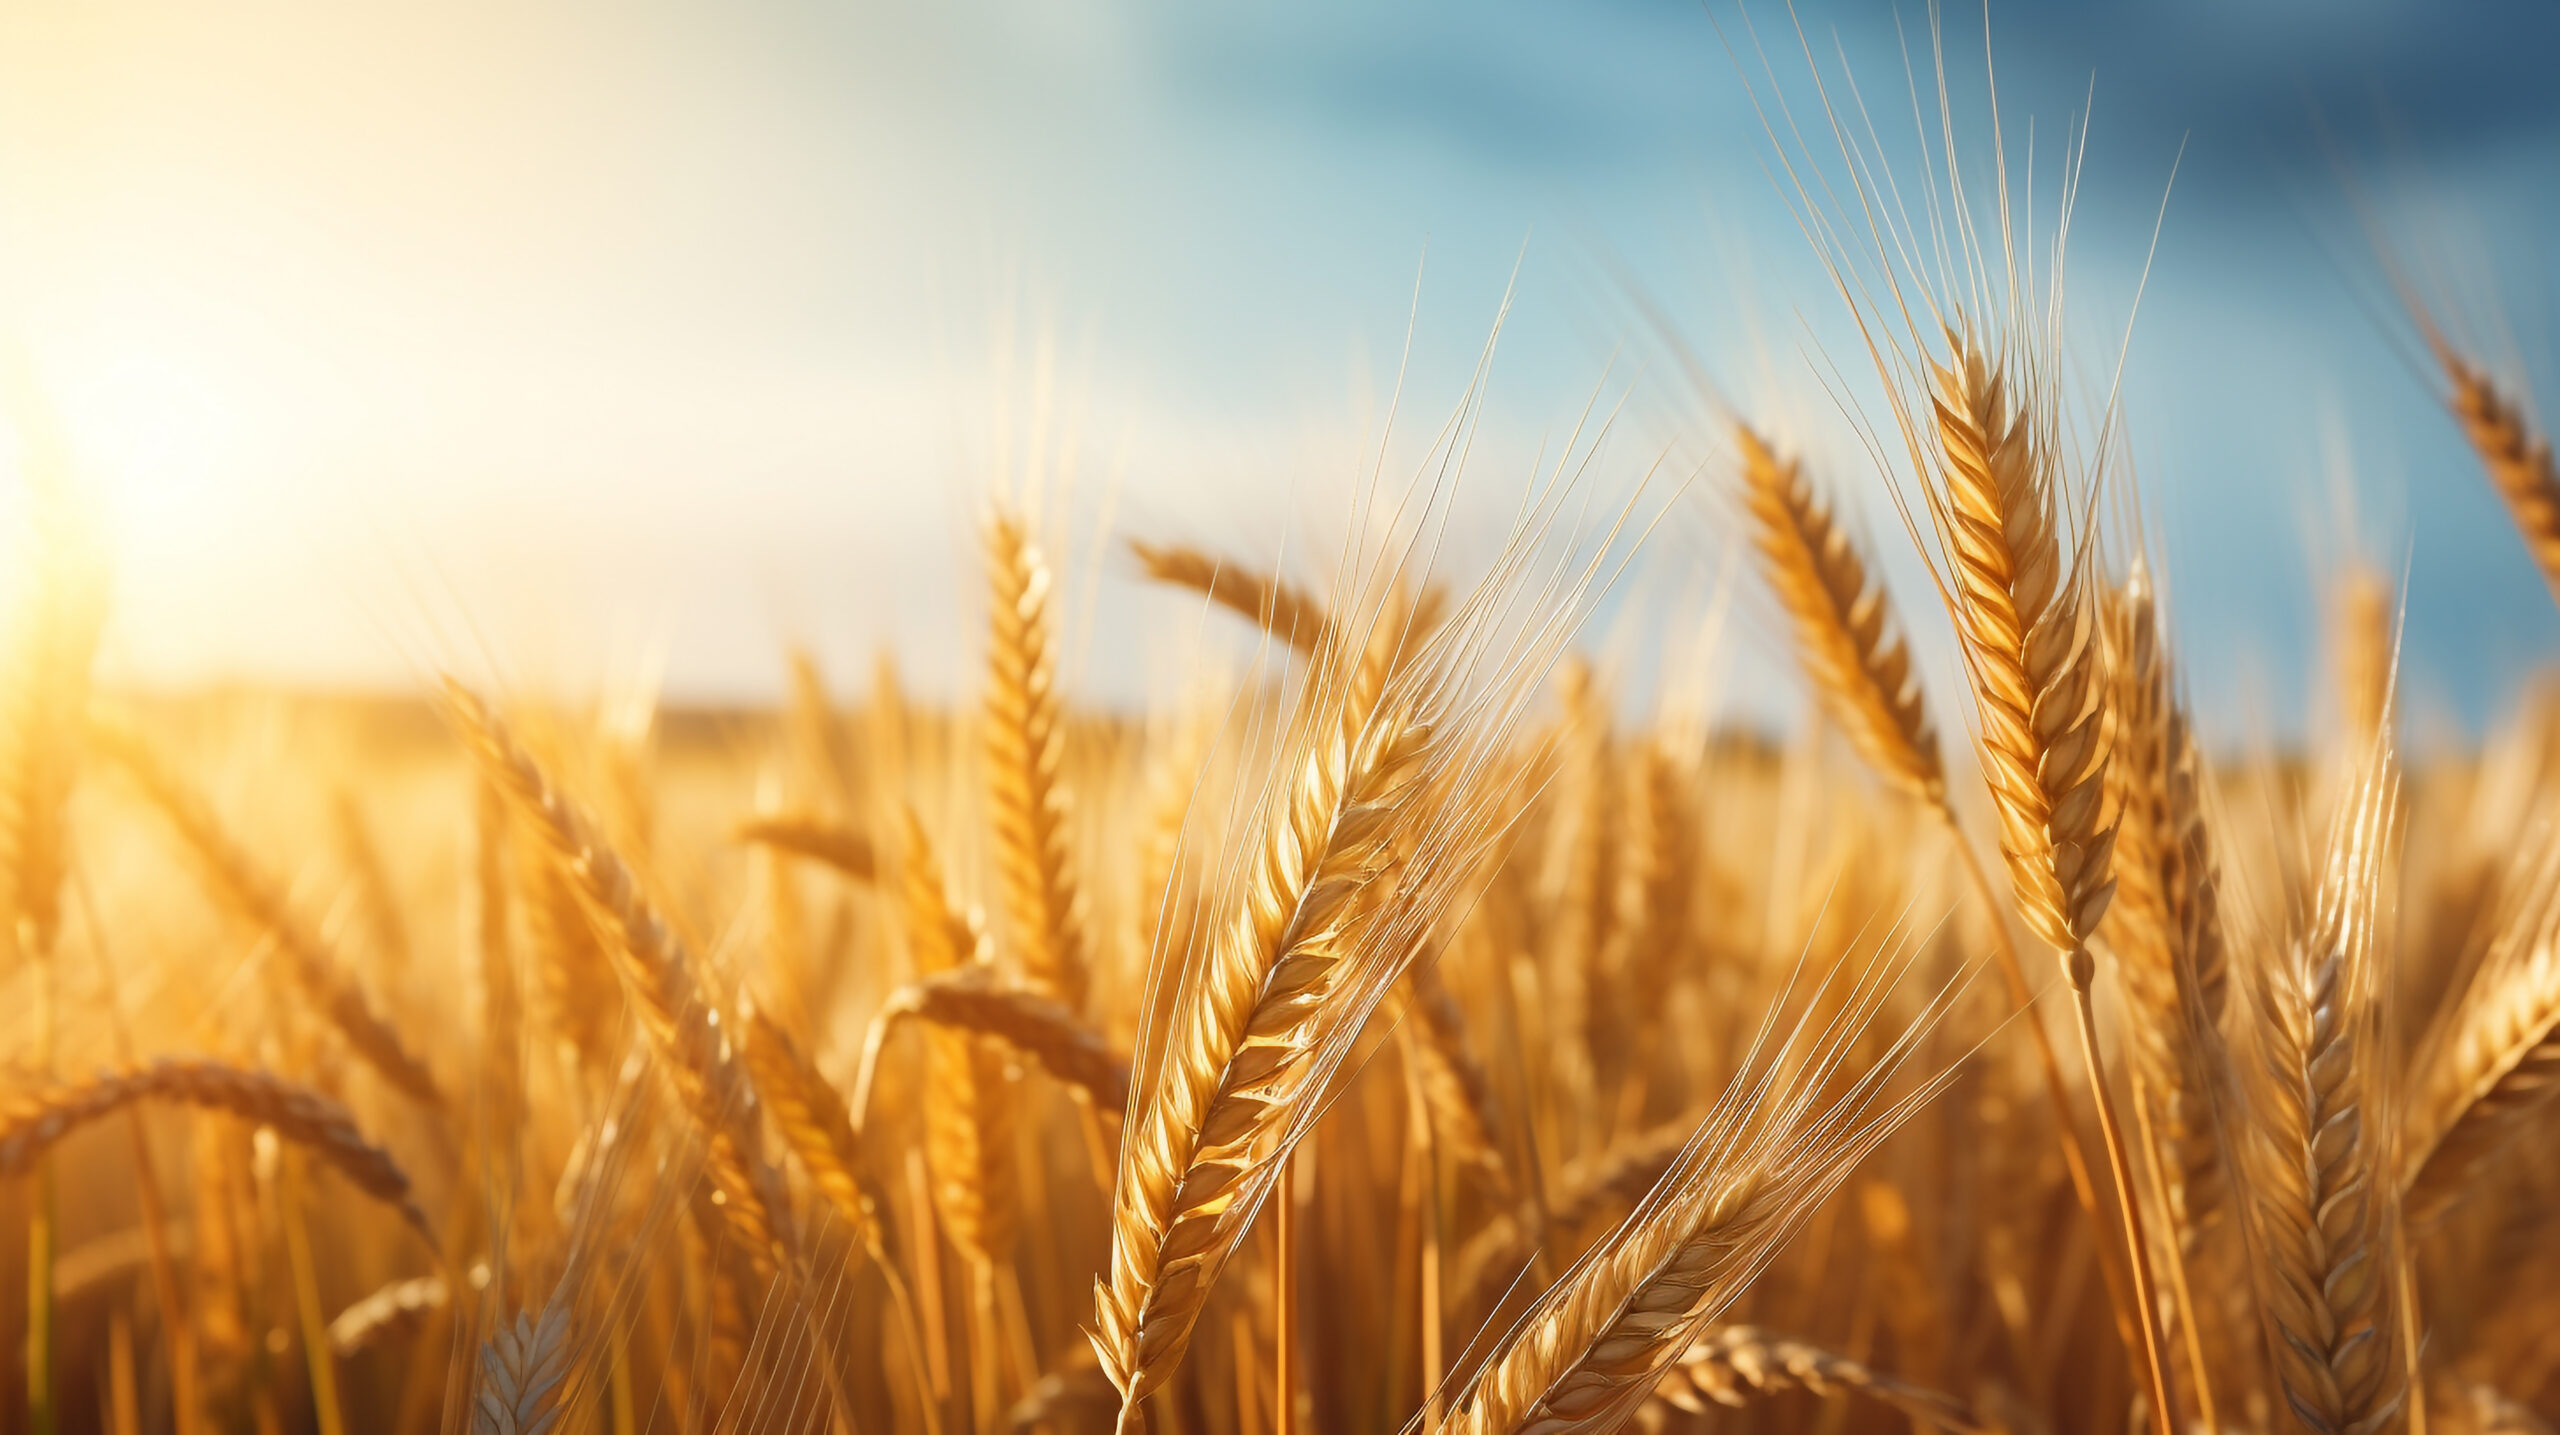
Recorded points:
590,338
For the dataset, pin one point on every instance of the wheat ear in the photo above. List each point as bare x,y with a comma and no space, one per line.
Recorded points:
814,1125
1025,737
524,1374
2518,460
2499,1065
818,839
1282,609
2363,640
1734,1365
2032,649
1596,1345
657,973
1845,629
1605,1183
2027,618
1465,1116
2322,1213
1861,671
974,999
1239,1052
2164,926
260,903
32,1121
971,1101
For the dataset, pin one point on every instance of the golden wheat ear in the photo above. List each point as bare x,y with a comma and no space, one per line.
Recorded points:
1290,614
1784,1136
32,1121
1025,739
659,978
258,900
2164,927
1384,800
2324,1223
1845,630
834,845
2516,455
2494,1065
1735,1365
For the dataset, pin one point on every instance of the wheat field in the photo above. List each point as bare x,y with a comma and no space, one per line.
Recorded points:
1402,1028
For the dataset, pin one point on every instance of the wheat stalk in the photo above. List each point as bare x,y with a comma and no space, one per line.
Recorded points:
1734,1365
2322,1214
2518,459
260,903
1843,619
1025,745
33,1120
818,839
1282,609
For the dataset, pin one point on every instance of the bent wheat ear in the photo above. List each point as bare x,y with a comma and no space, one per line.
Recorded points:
658,975
972,999
2323,1219
1843,619
1026,743
817,839
1287,612
259,901
31,1121
1733,1365
2517,458
2498,1062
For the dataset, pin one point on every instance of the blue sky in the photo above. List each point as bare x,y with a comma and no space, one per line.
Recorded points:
580,331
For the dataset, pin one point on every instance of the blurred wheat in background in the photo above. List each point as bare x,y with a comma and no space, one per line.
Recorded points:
1431,1014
